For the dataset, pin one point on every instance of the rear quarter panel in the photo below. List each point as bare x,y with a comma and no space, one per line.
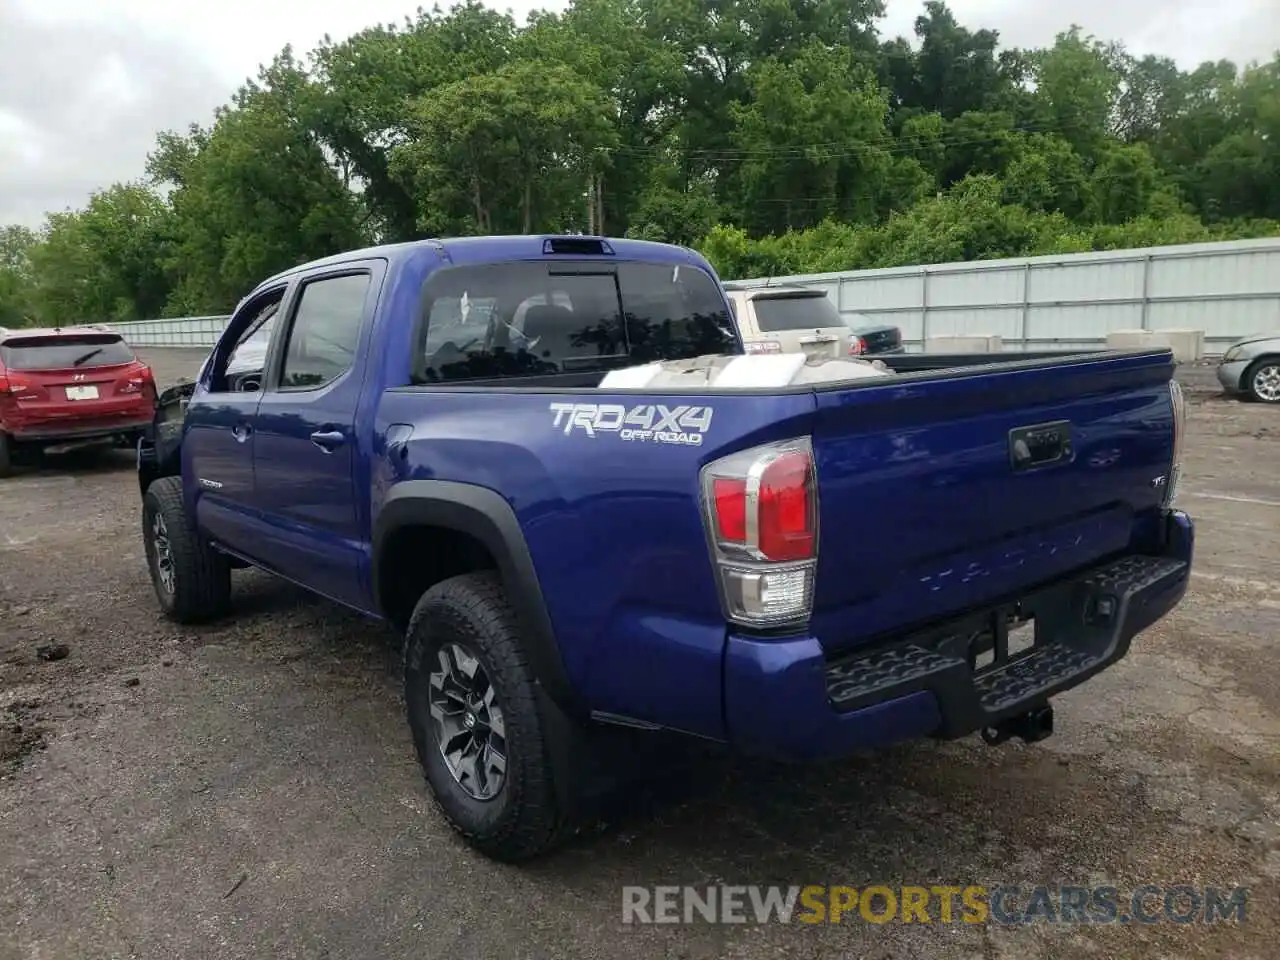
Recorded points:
614,527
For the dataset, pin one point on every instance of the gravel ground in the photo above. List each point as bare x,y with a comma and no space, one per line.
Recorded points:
249,789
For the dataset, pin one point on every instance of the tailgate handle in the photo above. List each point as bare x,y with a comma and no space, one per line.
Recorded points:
1039,445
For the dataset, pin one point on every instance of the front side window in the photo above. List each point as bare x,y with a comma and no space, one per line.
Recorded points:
325,332
256,321
251,352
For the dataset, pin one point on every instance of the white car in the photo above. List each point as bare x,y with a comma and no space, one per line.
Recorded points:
786,319
1251,367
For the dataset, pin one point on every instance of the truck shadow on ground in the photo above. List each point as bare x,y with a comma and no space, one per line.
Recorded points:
683,812
78,463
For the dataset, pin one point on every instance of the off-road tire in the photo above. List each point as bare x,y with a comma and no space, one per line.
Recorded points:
525,818
201,576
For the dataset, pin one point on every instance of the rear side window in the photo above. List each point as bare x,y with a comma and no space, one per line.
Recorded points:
809,310
325,331
65,351
531,319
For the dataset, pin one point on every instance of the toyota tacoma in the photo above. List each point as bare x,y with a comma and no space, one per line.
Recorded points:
549,464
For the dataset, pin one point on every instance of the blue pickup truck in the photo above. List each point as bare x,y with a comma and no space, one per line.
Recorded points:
798,572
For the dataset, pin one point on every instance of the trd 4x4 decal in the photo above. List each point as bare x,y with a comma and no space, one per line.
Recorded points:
648,422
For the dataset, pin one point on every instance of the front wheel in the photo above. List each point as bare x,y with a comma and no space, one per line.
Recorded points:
1262,382
192,580
477,729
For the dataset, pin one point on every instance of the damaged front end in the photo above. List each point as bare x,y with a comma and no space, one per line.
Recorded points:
160,444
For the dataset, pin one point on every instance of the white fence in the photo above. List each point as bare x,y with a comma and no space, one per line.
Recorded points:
1226,289
174,332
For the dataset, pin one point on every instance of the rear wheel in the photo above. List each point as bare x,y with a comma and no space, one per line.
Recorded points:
192,580
476,725
6,456
1262,381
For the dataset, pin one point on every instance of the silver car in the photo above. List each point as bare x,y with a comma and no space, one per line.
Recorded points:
1251,367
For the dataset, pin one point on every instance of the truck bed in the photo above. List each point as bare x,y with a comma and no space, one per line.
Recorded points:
923,514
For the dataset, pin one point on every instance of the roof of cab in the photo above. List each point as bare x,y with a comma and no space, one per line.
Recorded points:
497,248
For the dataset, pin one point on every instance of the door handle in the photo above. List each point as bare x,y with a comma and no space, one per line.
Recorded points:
328,440
241,431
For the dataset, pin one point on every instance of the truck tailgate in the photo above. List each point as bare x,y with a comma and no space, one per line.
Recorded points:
946,491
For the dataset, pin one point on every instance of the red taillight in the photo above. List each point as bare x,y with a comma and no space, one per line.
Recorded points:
786,517
857,346
730,495
762,511
12,385
137,381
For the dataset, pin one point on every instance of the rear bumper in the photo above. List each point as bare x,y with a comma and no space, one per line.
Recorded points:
787,699
1231,374
46,431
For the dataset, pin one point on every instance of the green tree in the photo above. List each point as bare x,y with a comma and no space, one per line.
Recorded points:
956,69
789,135
642,75
360,95
16,279
103,263
1046,173
507,151
809,141
1124,183
1077,85
257,195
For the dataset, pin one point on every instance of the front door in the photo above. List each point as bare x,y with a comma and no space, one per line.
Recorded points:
218,438
305,449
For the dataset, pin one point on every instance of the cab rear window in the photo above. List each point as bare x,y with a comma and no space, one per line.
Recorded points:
535,319
56,353
807,310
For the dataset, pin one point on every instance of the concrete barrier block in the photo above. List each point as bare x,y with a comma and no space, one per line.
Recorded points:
967,343
1129,340
1187,345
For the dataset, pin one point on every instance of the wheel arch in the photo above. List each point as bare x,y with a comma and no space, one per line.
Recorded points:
482,516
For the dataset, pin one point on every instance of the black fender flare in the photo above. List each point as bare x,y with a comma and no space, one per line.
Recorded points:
485,515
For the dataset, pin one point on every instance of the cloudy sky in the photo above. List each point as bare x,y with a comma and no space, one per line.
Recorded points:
86,84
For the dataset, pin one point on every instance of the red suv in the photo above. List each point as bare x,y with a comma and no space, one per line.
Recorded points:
70,387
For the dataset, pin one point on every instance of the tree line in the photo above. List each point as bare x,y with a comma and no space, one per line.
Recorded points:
774,137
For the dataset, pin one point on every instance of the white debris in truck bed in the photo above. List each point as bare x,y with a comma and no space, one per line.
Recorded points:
747,372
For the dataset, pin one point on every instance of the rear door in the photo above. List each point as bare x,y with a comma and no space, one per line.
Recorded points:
306,447
801,321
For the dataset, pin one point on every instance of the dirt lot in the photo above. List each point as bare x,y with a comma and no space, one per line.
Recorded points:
249,789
